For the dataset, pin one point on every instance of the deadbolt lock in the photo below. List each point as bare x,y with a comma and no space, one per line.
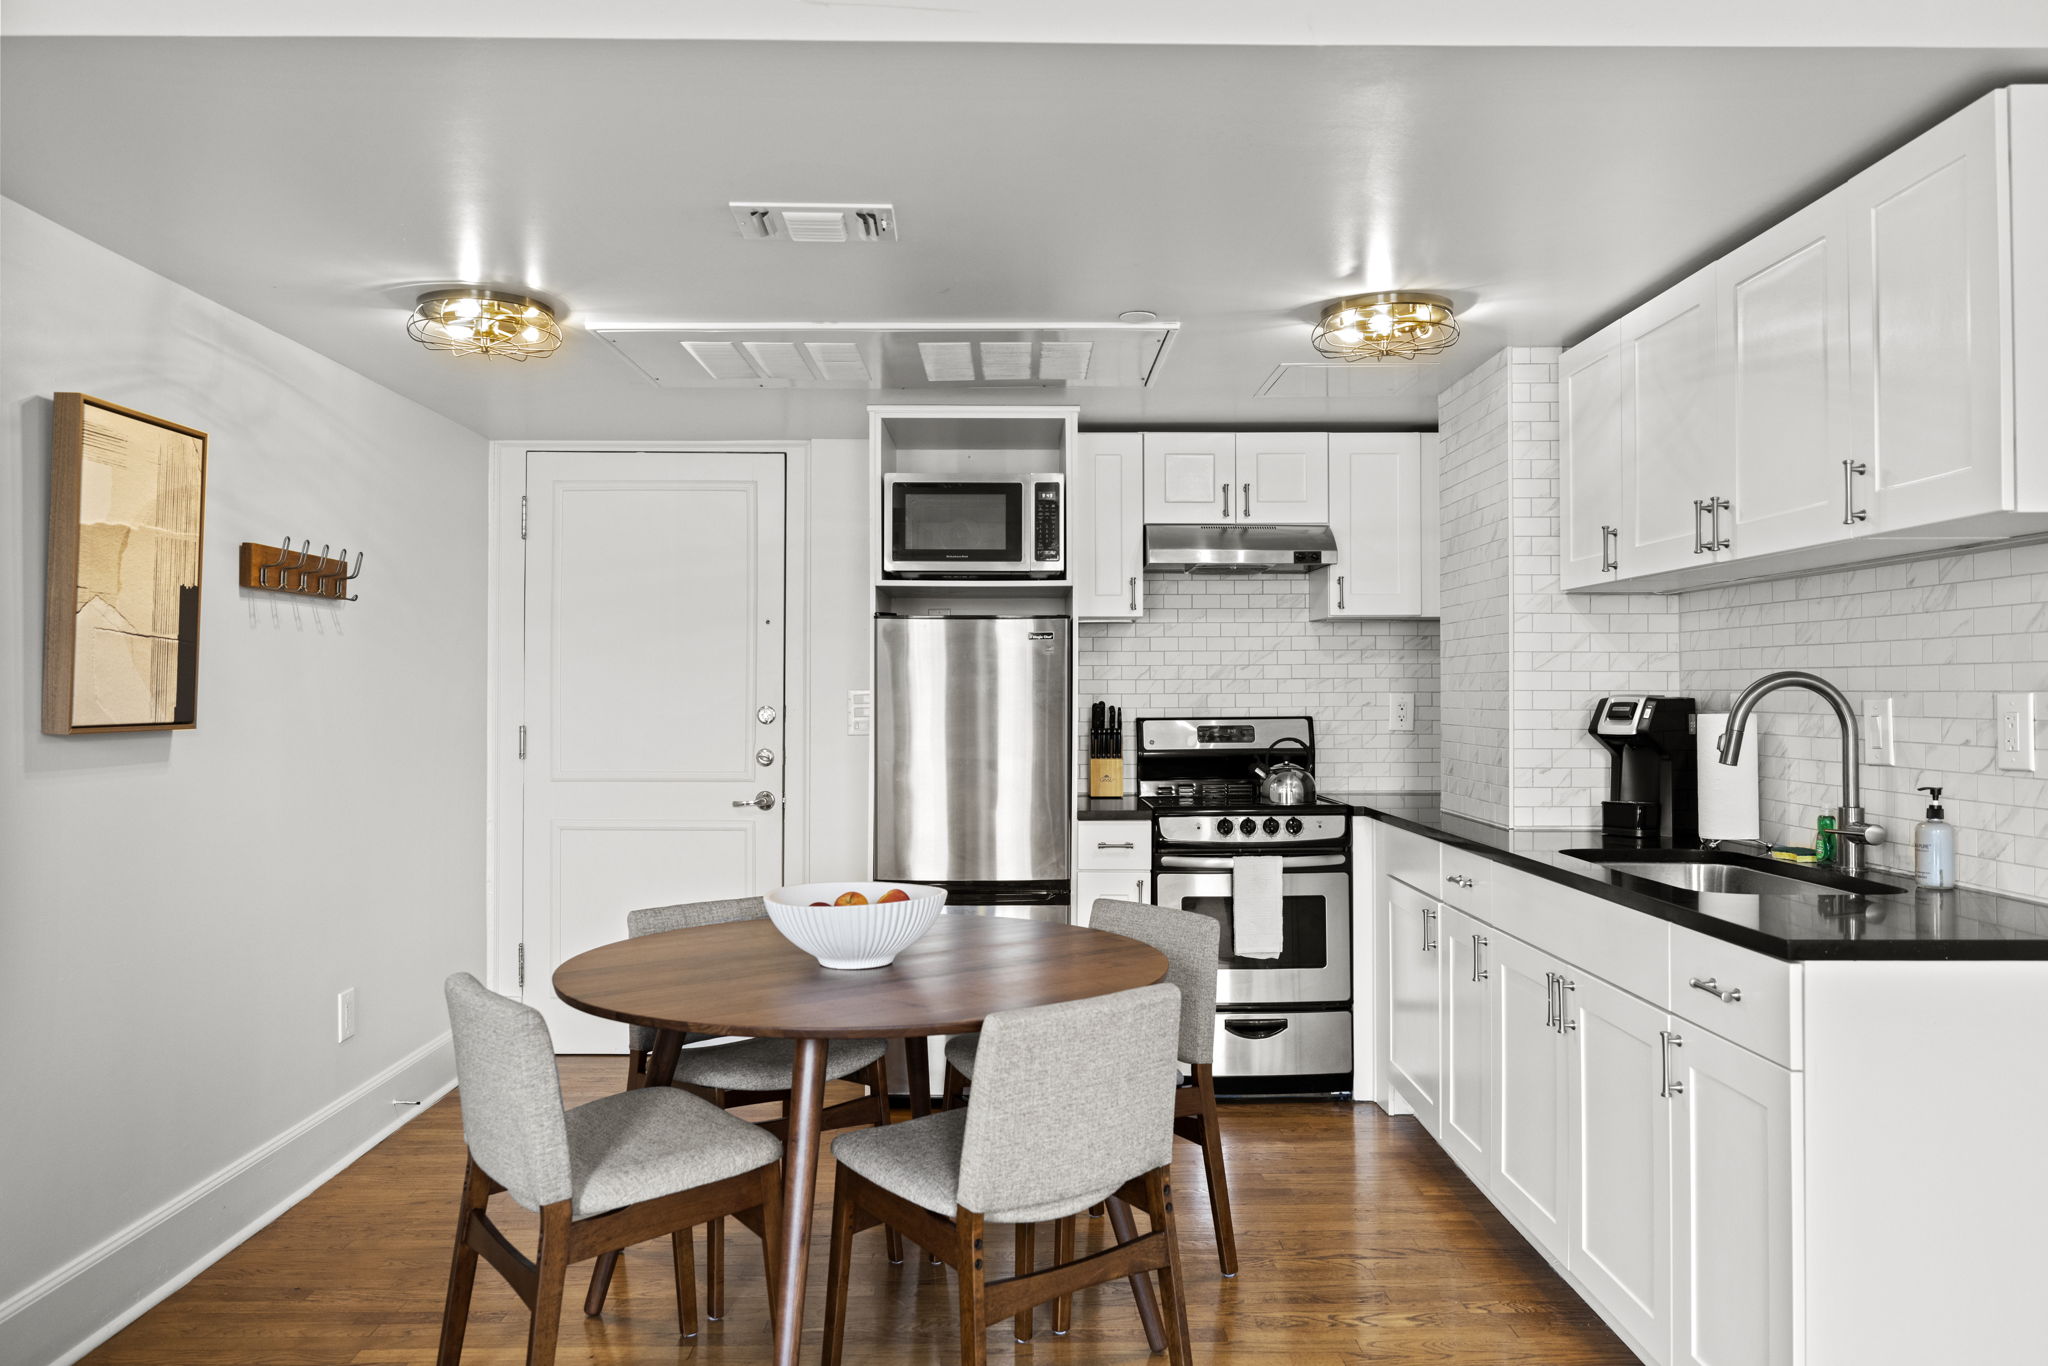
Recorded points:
765,757
766,716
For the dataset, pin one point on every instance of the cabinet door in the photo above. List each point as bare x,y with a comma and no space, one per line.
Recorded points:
1621,1154
1466,1120
1413,1000
1926,323
1376,515
1672,457
1283,477
1589,467
1089,885
1783,306
1106,526
1734,1184
1531,1174
1190,477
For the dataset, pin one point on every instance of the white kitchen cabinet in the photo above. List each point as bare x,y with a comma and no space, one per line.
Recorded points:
1465,1122
1589,497
1283,477
1783,304
1925,284
1123,884
1382,524
1414,1000
1113,859
1191,477
1621,1154
1674,458
1106,526
1735,1154
1531,1173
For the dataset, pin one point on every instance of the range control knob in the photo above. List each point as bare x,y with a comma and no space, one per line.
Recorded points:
1294,825
1224,827
1271,826
1247,825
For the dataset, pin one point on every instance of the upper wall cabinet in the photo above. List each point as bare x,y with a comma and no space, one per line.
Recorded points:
1383,513
1105,527
1211,477
1853,384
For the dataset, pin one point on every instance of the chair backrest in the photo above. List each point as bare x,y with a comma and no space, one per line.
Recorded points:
687,916
1070,1101
510,1093
1191,942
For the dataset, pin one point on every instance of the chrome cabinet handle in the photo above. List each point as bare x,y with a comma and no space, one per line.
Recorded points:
1722,505
1699,540
1565,1023
1713,988
1226,502
1459,880
764,800
1340,592
1550,1000
1105,844
1139,895
1134,593
1244,504
1850,469
1609,536
1429,929
1668,1086
1478,971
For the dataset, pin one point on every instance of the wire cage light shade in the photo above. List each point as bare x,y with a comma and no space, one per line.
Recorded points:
484,322
1396,325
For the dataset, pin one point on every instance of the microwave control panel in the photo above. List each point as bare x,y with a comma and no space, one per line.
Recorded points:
1047,503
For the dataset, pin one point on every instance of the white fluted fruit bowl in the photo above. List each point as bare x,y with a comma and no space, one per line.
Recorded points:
850,937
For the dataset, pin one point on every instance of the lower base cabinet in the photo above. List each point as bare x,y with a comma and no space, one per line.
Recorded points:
1414,1000
1531,1173
1465,1121
1119,884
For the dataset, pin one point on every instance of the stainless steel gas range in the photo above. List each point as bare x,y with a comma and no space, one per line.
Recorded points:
1283,1021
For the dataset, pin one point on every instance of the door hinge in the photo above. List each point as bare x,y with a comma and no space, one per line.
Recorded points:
522,516
522,742
522,967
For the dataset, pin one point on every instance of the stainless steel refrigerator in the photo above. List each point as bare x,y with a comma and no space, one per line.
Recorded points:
973,756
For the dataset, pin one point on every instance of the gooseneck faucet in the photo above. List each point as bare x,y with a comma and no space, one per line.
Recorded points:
1852,832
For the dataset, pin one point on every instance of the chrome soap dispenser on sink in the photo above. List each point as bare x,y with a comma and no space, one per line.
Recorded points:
1934,846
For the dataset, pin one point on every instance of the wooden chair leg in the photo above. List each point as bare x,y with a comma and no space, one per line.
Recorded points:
600,1283
683,1243
1027,1262
1063,1232
553,1265
836,1273
714,1270
772,1250
1141,1284
1212,1168
973,1290
1172,1289
476,1193
953,1091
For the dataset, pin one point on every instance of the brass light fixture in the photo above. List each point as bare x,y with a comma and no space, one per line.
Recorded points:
1394,325
484,322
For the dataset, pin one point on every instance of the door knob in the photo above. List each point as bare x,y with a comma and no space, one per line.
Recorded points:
764,800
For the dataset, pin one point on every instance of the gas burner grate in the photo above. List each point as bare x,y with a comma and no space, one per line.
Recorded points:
1209,793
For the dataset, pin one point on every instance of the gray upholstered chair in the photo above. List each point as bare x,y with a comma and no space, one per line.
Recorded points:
602,1176
1074,1107
1191,943
743,1072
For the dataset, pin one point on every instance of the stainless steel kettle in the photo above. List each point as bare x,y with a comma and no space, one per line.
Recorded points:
1285,784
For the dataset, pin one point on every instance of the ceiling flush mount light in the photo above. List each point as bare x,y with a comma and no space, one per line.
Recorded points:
1397,325
484,322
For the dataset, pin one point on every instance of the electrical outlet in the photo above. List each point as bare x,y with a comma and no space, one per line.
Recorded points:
2015,738
860,712
345,1016
1400,711
1877,732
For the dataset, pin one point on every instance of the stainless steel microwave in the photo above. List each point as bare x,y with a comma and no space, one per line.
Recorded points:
974,526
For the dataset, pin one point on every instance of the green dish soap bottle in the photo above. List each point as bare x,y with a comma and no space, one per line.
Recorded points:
1824,839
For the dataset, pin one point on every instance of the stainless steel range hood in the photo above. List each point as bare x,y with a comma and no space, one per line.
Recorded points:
1238,549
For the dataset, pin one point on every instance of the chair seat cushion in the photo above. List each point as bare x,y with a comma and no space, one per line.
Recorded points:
769,1064
960,1053
919,1160
639,1145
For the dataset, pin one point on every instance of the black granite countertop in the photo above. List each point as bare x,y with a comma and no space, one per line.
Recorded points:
1824,924
1111,809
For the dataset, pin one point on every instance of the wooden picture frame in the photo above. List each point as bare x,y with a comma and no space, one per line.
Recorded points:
127,542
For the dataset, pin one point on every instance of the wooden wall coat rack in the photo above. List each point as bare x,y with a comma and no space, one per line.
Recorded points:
280,569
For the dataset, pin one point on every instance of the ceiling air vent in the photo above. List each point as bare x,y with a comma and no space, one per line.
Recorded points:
895,356
816,222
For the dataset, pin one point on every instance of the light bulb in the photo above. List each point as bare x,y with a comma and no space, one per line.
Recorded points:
531,334
459,332
1381,325
1348,336
466,308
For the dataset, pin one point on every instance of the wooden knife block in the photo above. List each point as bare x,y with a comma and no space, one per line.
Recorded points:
1105,777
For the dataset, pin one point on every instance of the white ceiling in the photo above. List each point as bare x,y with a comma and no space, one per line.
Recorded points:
318,184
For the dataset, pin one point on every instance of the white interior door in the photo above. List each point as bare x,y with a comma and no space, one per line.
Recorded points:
653,698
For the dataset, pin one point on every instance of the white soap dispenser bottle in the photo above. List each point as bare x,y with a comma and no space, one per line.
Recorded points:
1934,846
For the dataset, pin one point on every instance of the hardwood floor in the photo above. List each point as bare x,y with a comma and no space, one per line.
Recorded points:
1360,1243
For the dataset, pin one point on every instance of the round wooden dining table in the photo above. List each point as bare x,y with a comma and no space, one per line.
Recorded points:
744,978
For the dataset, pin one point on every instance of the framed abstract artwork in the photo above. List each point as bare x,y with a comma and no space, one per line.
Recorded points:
127,527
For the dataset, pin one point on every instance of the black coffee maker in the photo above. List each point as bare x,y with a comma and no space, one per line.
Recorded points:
1653,787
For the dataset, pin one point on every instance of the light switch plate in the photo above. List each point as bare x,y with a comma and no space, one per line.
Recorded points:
345,1016
2014,730
1877,732
860,712
1400,711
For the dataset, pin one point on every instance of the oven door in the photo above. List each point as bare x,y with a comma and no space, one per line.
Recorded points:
959,525
1314,966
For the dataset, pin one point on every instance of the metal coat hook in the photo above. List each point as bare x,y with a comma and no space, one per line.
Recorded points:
300,571
277,564
349,576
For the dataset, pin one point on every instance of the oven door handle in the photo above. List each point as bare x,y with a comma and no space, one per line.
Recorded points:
1255,1029
1224,864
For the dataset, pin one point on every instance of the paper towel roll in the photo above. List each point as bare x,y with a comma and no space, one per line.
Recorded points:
1728,795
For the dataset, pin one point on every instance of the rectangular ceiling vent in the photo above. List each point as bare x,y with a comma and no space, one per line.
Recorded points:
816,222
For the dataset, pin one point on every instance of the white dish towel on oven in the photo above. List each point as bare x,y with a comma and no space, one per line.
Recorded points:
1255,905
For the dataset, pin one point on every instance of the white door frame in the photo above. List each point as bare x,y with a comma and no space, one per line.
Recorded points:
505,652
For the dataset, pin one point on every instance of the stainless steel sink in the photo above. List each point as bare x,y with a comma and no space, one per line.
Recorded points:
1711,870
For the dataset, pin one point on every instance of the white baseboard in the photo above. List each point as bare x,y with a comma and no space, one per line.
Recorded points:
82,1303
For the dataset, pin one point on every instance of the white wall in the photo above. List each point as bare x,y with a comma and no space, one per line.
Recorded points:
838,636
178,910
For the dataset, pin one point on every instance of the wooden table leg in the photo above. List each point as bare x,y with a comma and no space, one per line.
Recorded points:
661,1070
799,1187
